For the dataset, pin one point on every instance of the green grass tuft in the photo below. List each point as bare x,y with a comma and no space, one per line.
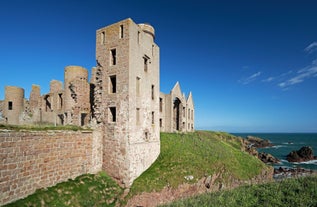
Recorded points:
290,192
85,190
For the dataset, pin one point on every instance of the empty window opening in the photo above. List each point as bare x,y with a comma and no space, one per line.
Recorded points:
113,84
188,126
60,100
112,114
146,135
103,38
146,62
184,112
121,31
153,117
138,115
161,104
161,123
83,119
152,92
47,103
10,105
138,86
113,57
61,119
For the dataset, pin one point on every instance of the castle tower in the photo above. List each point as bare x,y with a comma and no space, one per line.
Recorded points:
13,104
77,96
128,77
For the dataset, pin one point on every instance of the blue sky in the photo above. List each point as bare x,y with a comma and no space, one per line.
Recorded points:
251,65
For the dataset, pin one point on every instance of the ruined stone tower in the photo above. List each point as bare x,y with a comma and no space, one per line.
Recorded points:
127,77
13,104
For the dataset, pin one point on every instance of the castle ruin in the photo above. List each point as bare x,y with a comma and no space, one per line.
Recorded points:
122,100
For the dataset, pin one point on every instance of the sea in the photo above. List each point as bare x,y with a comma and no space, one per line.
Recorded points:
284,143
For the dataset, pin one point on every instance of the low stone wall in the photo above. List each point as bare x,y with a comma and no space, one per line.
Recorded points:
32,160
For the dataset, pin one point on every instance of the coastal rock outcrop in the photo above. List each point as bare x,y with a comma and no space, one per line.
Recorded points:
302,155
268,158
258,142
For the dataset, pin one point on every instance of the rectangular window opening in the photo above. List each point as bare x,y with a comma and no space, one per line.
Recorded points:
113,84
60,100
152,92
121,31
47,103
146,62
113,56
153,118
161,123
103,38
112,114
10,105
161,104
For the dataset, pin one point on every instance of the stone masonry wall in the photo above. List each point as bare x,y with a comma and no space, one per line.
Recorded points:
33,160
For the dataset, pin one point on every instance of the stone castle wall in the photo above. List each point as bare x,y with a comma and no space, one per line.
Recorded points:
33,160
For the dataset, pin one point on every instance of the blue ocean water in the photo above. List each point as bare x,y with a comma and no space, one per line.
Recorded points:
284,143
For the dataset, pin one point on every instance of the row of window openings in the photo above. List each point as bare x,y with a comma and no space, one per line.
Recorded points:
113,115
113,86
190,113
121,34
138,116
190,126
113,59
47,103
103,35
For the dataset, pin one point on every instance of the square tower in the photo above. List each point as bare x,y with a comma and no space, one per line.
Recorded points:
127,98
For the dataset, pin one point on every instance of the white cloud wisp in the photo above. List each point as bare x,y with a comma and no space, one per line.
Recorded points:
301,75
250,79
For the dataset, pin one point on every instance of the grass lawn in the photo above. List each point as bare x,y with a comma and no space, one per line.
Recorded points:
300,192
86,190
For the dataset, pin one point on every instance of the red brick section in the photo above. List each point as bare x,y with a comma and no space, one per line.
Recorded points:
33,160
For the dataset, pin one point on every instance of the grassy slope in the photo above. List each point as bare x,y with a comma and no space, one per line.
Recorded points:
198,154
85,190
291,192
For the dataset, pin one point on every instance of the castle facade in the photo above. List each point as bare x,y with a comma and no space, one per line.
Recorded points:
122,100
